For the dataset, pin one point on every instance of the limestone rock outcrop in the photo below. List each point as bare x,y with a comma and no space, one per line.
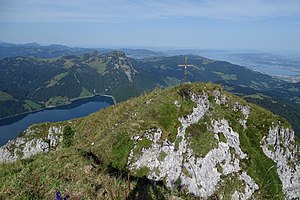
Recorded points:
175,161
279,146
25,146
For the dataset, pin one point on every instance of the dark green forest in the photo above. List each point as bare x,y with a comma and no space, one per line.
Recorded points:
31,83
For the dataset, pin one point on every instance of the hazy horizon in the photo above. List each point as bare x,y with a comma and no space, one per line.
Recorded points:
233,25
164,48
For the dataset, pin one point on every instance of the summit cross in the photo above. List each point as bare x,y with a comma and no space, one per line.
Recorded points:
185,69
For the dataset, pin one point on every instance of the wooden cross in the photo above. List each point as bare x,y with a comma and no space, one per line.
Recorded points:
185,69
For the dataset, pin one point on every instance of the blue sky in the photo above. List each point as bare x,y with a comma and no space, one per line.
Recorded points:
203,24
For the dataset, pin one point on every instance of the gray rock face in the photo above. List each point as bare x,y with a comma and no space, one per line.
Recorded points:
279,146
170,166
203,176
245,111
170,162
219,98
251,186
33,147
121,62
55,135
23,147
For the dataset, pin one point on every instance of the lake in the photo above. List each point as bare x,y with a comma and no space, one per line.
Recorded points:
10,127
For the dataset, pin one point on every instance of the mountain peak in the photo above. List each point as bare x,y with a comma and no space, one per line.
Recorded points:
32,44
119,61
118,54
193,138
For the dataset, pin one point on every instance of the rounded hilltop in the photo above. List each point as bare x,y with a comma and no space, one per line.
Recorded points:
188,141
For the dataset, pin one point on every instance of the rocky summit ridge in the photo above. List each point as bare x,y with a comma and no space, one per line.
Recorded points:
119,61
190,141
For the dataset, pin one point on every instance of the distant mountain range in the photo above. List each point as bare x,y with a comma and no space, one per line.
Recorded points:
42,76
36,50
51,51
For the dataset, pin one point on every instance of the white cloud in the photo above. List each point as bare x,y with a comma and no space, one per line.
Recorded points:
127,10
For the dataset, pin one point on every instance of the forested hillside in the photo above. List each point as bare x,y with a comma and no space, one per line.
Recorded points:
30,83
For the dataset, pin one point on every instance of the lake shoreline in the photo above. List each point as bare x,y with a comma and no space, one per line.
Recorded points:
12,126
61,105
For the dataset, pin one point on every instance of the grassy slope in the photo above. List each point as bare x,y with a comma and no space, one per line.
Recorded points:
102,143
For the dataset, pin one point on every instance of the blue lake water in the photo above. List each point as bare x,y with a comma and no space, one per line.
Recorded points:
10,127
274,70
